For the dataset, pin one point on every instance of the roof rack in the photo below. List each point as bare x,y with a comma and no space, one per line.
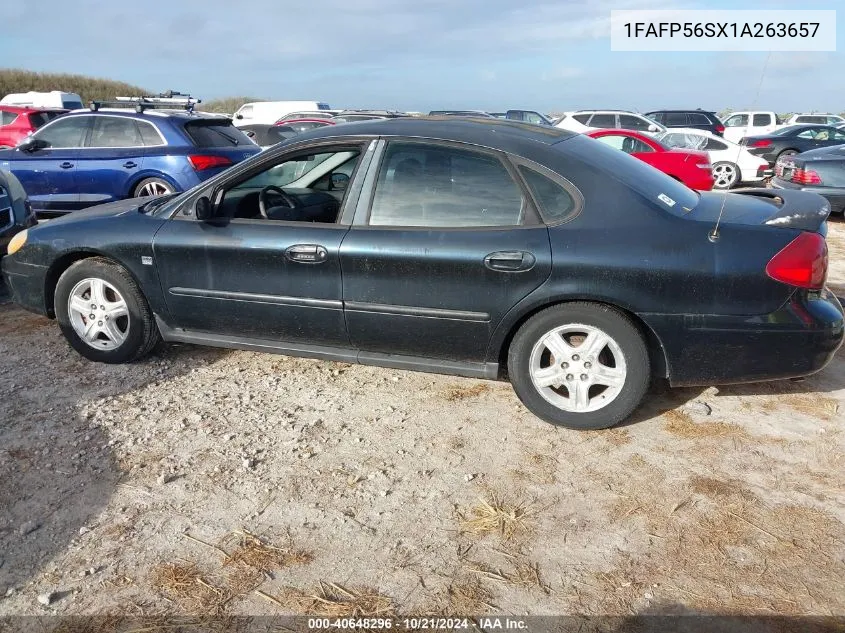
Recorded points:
169,100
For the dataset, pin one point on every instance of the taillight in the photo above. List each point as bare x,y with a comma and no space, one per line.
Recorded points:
203,161
720,129
801,263
760,143
806,177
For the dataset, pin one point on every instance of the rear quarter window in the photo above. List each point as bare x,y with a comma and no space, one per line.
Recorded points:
216,134
663,191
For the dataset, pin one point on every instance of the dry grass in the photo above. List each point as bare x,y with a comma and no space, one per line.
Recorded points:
813,405
518,572
682,425
332,600
455,394
184,585
500,515
712,544
261,556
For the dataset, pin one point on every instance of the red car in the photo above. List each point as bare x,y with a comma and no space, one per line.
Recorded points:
16,123
691,167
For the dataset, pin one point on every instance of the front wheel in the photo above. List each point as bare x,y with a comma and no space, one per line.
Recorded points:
725,175
580,365
103,314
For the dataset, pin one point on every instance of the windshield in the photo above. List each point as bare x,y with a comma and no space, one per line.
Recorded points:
216,133
664,191
683,140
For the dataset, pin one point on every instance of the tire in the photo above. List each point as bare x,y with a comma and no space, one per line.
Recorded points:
725,175
152,187
786,152
622,359
123,333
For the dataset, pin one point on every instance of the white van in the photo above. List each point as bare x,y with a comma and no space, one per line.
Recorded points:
268,112
53,99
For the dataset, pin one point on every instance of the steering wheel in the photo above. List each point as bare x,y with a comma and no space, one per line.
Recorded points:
288,199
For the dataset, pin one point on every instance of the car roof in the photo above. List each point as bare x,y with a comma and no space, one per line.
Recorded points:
697,111
501,134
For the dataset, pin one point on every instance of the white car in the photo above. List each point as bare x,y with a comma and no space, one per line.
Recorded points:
732,163
588,120
752,123
815,119
268,112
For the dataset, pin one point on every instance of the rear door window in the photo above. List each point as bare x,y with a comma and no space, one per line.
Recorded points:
604,121
631,122
429,185
696,118
676,119
212,133
114,132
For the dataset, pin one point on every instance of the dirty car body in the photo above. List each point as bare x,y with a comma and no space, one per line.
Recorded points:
368,262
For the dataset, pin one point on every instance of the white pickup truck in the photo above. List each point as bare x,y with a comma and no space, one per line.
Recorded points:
751,123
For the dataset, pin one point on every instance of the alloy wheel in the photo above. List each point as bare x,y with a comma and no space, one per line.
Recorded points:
98,313
578,368
725,175
153,188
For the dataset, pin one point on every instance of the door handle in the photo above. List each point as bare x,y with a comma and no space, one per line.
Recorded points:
307,253
129,164
65,165
510,261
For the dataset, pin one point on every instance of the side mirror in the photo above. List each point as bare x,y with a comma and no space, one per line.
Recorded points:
203,209
653,128
239,116
32,144
339,181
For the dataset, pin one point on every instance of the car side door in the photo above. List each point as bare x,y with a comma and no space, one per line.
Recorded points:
47,170
110,160
736,126
260,269
445,241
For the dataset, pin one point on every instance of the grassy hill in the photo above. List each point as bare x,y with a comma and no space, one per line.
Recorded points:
226,104
89,88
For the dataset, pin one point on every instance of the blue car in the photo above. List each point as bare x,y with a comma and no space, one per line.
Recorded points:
89,157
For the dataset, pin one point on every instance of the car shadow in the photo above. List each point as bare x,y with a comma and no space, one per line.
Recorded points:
679,618
58,467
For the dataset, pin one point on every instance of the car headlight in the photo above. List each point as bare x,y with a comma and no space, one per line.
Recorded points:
16,243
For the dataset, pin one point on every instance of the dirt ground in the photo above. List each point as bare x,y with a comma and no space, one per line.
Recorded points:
213,481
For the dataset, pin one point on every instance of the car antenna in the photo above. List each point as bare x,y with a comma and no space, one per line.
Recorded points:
713,236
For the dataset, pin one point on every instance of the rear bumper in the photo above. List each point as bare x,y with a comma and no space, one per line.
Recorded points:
25,283
796,340
834,195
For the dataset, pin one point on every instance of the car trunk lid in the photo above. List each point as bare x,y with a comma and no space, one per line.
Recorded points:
778,208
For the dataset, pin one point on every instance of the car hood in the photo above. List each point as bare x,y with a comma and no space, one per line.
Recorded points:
121,207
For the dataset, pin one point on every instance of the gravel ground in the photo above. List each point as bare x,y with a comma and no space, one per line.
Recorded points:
214,481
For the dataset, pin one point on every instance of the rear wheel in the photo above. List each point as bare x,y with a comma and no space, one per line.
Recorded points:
787,152
725,175
103,314
580,365
152,187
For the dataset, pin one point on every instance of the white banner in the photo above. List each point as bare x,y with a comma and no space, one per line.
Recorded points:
723,30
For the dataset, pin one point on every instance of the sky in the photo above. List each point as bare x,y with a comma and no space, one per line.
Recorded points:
546,55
